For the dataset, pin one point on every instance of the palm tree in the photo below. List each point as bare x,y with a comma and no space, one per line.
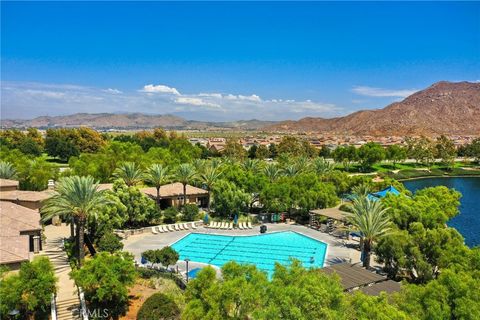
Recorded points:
322,166
185,174
371,219
209,177
252,165
291,170
129,172
76,197
157,175
272,172
361,190
7,171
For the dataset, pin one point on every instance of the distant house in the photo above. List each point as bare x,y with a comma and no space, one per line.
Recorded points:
20,234
171,195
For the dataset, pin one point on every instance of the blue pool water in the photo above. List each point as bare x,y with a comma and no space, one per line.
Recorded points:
261,250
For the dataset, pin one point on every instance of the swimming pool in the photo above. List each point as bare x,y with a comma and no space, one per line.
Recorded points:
261,250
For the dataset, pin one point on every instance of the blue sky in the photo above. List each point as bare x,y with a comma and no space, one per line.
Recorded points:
230,61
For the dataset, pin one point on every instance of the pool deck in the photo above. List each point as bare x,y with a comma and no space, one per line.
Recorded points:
336,251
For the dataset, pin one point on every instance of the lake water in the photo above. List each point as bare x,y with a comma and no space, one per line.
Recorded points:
468,221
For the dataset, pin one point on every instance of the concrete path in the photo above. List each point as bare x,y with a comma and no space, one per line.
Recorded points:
68,303
337,250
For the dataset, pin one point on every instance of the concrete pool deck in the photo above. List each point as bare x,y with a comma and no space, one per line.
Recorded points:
337,252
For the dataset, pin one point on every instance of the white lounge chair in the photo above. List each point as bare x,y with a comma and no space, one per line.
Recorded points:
170,228
225,226
216,225
180,226
154,230
240,226
185,226
249,225
194,226
220,225
175,226
159,230
230,226
212,224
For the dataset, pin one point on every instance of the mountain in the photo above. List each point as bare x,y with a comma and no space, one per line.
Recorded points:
130,121
443,108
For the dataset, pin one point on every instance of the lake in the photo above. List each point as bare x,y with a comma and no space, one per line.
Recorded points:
468,221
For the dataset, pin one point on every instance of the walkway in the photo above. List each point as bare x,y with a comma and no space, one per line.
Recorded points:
68,303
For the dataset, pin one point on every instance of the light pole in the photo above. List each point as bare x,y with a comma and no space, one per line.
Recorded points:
186,261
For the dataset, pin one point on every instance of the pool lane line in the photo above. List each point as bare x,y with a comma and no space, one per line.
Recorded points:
233,238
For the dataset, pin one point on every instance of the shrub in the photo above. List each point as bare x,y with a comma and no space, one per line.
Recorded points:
110,242
190,212
159,306
170,215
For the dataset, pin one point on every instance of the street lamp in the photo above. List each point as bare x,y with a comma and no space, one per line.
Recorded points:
186,261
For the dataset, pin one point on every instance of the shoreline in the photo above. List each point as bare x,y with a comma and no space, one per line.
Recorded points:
444,176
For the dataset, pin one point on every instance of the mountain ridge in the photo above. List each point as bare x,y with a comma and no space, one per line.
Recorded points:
451,108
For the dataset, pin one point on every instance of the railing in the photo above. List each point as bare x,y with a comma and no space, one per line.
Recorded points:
83,305
53,308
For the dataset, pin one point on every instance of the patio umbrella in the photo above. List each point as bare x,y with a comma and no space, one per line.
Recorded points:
205,218
235,220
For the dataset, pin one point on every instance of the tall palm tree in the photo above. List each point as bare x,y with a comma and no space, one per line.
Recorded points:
361,190
371,219
157,175
272,172
75,197
129,172
185,174
209,176
7,171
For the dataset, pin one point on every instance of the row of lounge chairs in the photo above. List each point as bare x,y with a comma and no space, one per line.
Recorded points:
173,227
229,226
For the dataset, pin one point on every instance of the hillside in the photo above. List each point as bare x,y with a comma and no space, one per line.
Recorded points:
443,108
131,121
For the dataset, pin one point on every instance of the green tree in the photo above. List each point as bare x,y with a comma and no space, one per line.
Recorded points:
159,306
170,215
422,150
446,151
371,219
272,172
7,171
105,280
369,154
157,175
34,174
168,256
31,147
30,291
396,153
262,152
130,173
78,198
234,150
190,212
473,150
185,174
110,242
321,166
141,210
345,155
228,199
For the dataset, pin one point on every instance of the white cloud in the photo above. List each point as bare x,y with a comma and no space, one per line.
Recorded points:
112,91
381,92
195,102
150,88
28,100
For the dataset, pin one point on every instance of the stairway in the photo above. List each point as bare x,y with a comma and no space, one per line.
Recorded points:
67,301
